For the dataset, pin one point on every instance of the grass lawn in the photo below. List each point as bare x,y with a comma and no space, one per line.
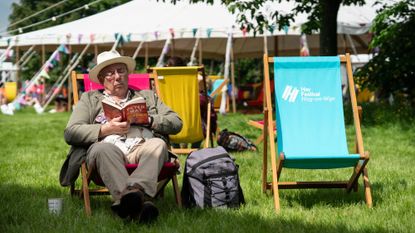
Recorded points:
32,150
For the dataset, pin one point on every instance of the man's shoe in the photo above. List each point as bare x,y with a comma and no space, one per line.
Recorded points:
149,213
131,203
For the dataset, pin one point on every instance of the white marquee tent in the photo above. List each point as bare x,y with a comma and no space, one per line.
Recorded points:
154,21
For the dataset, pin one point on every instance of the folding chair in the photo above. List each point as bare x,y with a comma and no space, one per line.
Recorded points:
178,88
310,123
218,82
259,125
167,173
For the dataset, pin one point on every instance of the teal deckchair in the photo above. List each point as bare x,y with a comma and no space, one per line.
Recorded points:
310,123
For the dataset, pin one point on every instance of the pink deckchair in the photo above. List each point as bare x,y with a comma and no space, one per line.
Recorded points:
169,170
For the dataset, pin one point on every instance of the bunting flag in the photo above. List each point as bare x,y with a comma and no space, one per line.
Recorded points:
92,38
49,65
44,73
8,41
244,30
63,49
304,52
209,32
171,30
57,57
80,38
285,28
271,29
156,35
9,53
194,30
128,37
68,36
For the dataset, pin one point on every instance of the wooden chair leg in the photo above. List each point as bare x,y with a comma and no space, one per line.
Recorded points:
259,139
85,190
366,184
176,191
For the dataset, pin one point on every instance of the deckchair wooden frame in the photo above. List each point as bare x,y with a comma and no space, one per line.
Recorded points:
218,92
207,139
84,191
277,163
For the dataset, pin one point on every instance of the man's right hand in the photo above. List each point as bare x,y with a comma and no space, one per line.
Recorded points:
115,126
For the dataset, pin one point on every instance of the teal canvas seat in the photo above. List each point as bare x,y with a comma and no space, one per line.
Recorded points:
310,122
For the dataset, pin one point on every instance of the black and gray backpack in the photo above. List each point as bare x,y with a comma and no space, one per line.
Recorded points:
211,180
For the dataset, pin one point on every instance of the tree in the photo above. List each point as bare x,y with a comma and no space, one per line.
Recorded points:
391,71
322,17
29,7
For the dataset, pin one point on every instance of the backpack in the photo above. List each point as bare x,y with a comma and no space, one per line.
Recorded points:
234,142
211,180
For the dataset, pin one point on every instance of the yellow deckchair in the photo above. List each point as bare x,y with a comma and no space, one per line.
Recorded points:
179,89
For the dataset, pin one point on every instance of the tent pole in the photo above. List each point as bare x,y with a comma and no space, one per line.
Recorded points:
69,85
43,54
53,90
137,50
114,46
351,43
26,55
17,64
146,56
35,77
222,109
165,50
27,59
200,52
265,44
193,55
66,76
233,81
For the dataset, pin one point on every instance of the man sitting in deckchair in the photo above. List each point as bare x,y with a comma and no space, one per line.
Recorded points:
88,132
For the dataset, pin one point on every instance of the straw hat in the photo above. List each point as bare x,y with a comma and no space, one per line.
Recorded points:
108,58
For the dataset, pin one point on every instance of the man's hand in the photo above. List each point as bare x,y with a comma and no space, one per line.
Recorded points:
115,126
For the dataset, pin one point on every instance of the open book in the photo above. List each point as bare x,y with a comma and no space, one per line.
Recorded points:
134,111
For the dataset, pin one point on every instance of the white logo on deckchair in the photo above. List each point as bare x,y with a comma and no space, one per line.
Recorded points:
290,93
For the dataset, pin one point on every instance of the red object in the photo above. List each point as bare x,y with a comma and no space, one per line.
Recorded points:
167,170
258,102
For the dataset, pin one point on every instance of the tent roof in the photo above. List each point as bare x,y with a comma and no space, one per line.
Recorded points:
154,21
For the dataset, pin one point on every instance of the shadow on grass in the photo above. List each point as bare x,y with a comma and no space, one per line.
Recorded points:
337,198
24,209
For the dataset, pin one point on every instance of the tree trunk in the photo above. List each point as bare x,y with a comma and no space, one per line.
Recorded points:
328,29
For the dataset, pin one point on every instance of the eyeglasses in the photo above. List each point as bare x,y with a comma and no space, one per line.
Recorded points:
109,75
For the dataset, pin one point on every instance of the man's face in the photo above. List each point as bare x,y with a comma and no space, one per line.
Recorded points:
115,79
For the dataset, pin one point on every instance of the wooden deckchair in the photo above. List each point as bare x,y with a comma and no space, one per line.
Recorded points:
218,82
167,173
178,88
310,123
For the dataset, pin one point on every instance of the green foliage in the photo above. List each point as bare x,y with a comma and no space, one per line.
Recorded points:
382,113
27,8
249,71
322,16
391,71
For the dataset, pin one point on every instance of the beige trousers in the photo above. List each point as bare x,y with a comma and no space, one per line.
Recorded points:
108,162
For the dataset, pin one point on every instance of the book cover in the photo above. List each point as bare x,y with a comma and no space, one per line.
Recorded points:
134,111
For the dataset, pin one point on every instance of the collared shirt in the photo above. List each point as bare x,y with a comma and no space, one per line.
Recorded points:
136,134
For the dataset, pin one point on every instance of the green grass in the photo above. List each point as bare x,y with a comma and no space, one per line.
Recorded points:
32,150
